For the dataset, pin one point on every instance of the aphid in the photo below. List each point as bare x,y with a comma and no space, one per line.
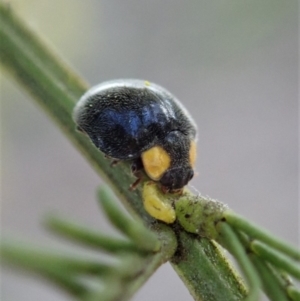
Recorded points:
142,122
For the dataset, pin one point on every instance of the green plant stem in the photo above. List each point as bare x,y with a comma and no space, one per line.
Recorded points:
254,232
66,271
276,258
41,73
293,293
205,278
124,289
135,230
286,282
90,237
276,283
70,284
146,269
28,59
272,286
34,261
112,294
230,240
29,257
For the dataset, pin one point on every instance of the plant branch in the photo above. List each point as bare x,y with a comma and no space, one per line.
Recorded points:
230,240
88,237
276,258
293,293
205,278
131,228
57,88
69,272
47,265
271,284
254,232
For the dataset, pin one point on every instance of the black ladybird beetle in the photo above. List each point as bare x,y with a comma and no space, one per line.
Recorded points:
143,122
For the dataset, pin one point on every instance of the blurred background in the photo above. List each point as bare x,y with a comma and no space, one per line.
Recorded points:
234,65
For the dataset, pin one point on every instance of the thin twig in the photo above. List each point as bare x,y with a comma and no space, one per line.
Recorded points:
272,287
230,240
253,231
90,238
277,259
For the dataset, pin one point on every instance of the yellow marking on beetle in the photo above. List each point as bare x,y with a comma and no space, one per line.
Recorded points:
156,161
193,153
147,83
157,204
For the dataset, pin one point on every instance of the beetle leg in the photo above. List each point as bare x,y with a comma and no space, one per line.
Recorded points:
79,129
136,169
135,184
114,162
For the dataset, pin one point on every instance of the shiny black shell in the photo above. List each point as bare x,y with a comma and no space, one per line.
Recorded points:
125,118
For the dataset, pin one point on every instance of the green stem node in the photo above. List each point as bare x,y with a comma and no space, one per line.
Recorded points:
199,215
